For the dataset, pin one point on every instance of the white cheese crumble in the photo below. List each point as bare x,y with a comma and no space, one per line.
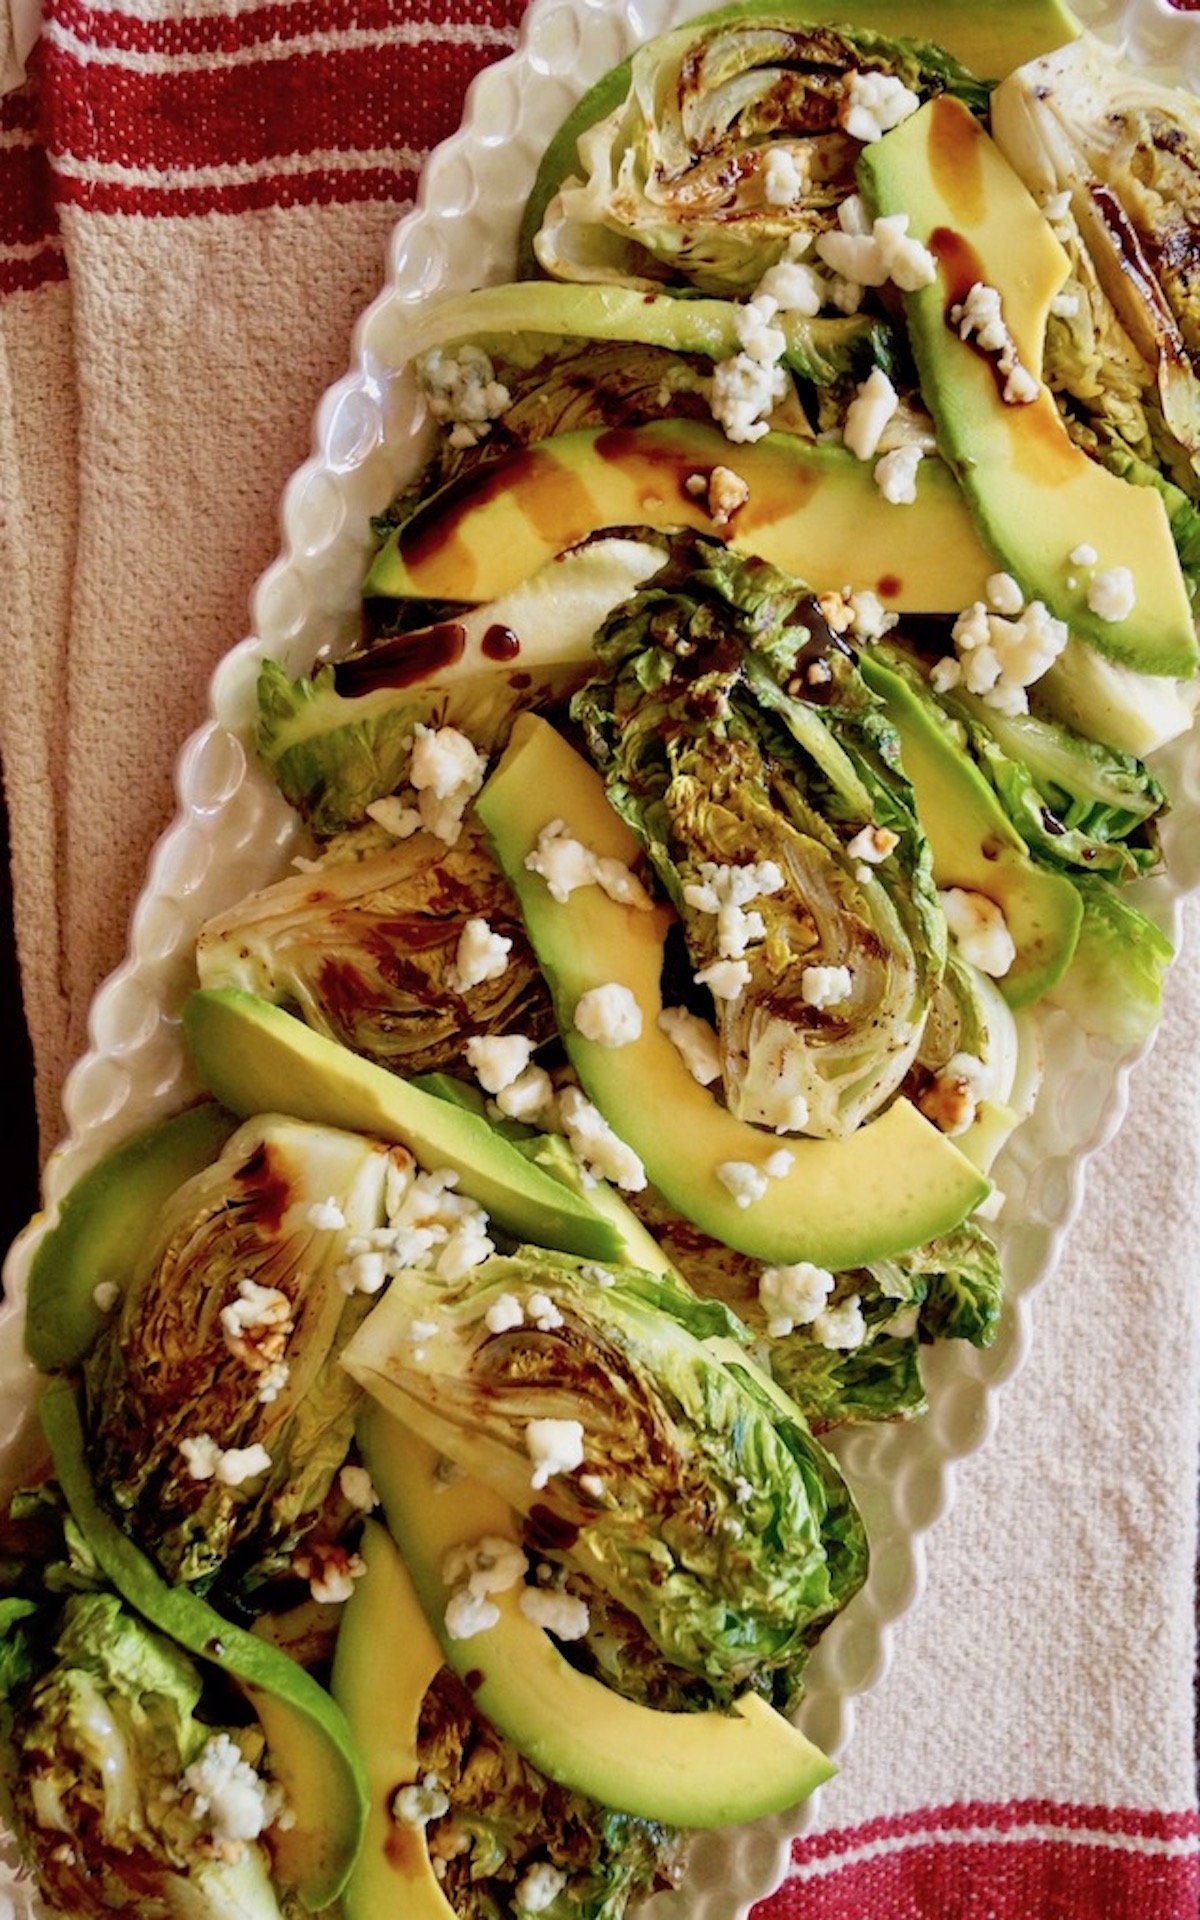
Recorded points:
873,103
462,391
783,181
330,1572
1083,555
105,1295
491,1564
1004,594
480,955
757,338
468,1614
467,1247
325,1216
793,1296
1111,594
795,287
873,845
743,393
561,1614
841,1327
256,1325
779,1164
554,1446
564,863
228,1466
357,1489
870,619
272,1381
727,494
741,1178
447,773
539,1888
395,817
725,892
695,1042
543,1313
982,314
896,475
595,1144
868,414
418,1804
505,1313
529,1098
823,987
952,1099
363,1272
980,930
999,658
476,1570
725,979
608,1015
228,1795
1065,306
430,1228
497,1059
868,258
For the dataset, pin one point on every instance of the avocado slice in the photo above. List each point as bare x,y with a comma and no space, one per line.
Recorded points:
892,1185
975,845
550,1151
818,349
105,1219
688,1769
385,1662
1034,494
312,1754
258,1059
813,510
990,40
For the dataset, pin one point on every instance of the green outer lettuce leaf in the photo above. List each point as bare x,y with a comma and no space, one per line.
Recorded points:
1115,982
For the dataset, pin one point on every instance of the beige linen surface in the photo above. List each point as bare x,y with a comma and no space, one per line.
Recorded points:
150,413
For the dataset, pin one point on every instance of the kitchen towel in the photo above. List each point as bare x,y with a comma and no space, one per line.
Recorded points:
194,205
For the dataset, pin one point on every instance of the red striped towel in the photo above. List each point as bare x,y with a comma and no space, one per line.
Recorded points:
194,204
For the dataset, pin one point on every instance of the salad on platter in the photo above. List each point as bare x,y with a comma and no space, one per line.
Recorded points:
751,733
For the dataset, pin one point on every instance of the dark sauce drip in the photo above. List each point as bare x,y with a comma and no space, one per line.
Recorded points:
268,1194
402,661
547,1531
500,643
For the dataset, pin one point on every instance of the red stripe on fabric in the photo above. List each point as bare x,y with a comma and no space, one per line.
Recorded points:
1136,1822
26,197
1013,1880
287,21
27,213
364,98
19,111
323,187
23,276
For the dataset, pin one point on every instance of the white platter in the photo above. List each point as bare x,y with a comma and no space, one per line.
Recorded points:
233,833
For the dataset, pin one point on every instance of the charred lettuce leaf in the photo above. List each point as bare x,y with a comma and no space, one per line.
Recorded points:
1125,153
673,182
109,1755
698,1501
226,1343
364,950
1077,804
504,1815
734,731
950,1289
